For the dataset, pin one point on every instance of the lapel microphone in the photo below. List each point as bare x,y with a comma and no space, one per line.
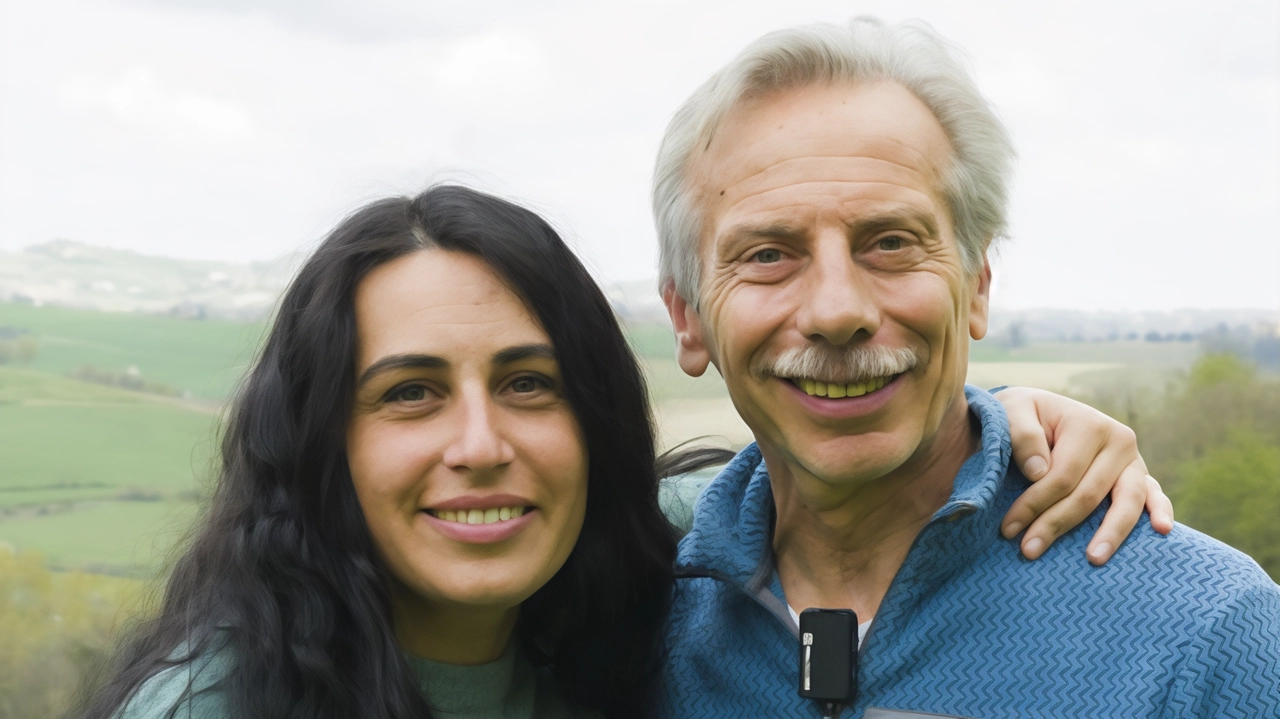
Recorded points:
829,658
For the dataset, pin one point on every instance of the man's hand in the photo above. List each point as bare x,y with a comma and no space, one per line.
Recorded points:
1076,455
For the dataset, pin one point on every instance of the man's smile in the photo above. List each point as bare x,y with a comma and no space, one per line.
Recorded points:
840,390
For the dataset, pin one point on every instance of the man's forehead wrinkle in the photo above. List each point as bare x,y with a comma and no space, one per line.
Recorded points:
833,163
825,196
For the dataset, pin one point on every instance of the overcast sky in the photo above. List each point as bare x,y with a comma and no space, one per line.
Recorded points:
228,129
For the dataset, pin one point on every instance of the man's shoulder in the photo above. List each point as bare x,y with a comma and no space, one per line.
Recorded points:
1184,555
1186,574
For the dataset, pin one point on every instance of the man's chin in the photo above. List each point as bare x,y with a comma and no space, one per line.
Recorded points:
850,460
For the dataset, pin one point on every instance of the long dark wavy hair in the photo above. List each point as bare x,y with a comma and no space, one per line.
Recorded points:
282,576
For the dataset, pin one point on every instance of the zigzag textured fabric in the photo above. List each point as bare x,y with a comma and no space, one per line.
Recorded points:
1176,626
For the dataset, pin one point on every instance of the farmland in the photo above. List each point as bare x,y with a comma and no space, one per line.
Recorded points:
100,482
107,479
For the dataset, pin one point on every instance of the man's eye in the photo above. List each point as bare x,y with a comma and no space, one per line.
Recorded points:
889,244
767,256
408,393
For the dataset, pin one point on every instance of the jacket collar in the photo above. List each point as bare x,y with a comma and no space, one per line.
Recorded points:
731,537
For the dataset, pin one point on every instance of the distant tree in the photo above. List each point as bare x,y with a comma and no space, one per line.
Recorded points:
1227,340
1221,392
1232,493
25,349
1266,350
1017,337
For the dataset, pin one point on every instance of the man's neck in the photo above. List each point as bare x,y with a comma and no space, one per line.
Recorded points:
847,555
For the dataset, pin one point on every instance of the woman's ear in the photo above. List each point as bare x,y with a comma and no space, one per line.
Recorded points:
691,349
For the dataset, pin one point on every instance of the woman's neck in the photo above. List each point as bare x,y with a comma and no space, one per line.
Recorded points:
451,634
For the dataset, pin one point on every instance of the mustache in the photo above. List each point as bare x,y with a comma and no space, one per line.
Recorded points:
842,365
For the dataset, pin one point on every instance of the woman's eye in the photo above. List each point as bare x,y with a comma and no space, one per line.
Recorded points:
525,385
889,244
767,256
408,393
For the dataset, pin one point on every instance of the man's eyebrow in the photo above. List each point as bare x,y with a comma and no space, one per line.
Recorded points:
523,352
770,230
401,361
891,220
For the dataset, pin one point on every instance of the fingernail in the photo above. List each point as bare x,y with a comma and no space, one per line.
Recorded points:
1013,529
1035,467
1101,550
1032,548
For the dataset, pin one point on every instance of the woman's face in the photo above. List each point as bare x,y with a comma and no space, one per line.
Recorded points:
469,465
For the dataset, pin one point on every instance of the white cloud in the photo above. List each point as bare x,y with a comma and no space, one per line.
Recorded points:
1147,129
136,98
500,57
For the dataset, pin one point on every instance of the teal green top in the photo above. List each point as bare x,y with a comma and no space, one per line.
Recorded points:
509,688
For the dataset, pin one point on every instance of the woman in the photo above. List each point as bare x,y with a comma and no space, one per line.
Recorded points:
437,493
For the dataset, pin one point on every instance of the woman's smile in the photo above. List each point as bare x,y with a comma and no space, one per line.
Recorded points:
480,519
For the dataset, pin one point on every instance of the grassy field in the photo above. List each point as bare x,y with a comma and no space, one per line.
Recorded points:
98,486
97,477
103,478
99,483
204,358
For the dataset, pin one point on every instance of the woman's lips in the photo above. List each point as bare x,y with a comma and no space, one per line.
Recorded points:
480,533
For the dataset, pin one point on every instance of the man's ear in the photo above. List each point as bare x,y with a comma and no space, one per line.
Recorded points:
691,349
980,302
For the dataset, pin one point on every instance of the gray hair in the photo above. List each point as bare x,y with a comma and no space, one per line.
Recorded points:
912,54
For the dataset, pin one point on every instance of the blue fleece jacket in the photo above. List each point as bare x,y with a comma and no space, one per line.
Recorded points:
1176,626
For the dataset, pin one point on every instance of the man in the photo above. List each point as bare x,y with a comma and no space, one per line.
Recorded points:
825,204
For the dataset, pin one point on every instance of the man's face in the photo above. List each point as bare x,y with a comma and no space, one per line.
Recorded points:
831,268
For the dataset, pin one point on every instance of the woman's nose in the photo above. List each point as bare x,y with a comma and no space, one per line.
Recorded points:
479,443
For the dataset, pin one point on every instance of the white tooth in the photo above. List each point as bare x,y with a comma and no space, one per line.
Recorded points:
504,514
462,516
490,515
447,515
475,516
517,511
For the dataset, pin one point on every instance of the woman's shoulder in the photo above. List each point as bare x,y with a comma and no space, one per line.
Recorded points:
191,690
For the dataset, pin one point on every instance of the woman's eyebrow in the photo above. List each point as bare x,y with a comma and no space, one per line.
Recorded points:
401,361
523,352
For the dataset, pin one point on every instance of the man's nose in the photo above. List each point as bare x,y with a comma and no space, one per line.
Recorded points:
838,302
479,442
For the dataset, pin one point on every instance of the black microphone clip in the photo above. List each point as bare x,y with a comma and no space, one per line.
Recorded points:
829,657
